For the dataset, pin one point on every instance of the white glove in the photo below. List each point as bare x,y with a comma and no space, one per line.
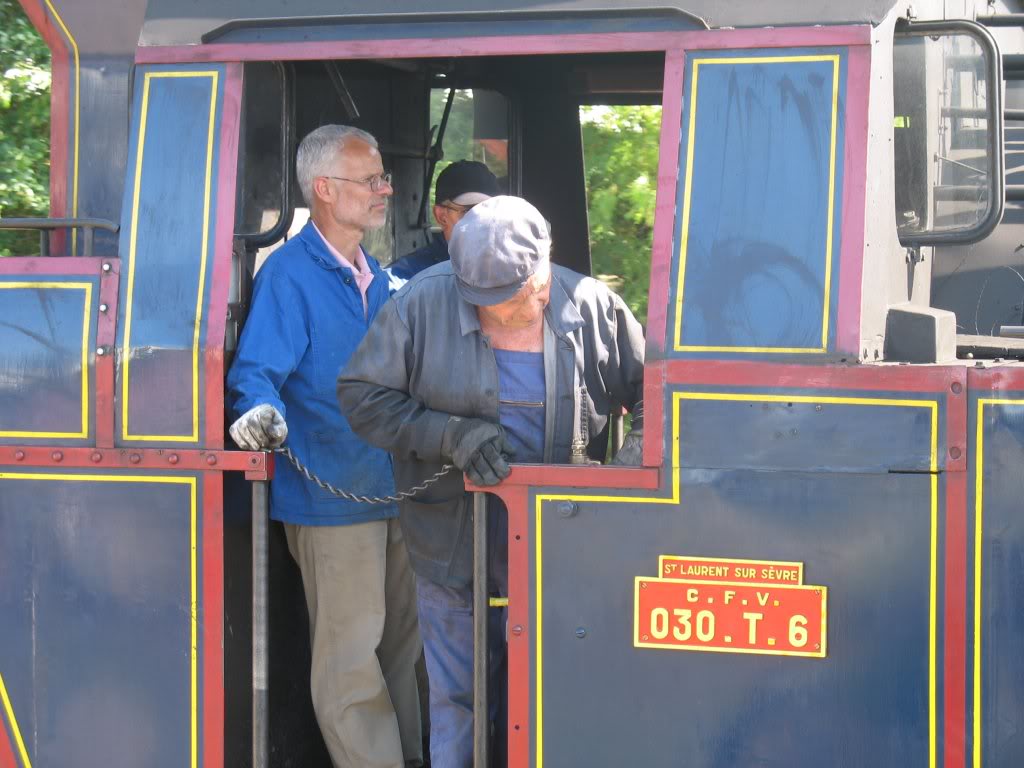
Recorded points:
259,428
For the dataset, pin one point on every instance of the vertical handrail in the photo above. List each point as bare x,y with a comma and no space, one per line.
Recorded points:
260,517
481,715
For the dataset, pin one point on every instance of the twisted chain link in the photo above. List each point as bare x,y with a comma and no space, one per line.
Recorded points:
400,496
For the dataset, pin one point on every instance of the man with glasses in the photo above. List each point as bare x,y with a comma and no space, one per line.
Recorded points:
459,187
312,303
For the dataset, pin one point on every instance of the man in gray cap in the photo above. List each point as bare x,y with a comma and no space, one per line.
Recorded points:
493,355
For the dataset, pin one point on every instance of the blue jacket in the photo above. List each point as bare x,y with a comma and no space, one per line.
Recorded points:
305,321
403,270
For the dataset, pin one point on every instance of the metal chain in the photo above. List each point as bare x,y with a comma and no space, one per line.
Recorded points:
400,496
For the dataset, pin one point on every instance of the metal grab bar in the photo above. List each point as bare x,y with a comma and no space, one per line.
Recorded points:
46,226
260,634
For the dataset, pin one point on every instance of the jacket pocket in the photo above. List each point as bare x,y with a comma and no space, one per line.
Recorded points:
433,530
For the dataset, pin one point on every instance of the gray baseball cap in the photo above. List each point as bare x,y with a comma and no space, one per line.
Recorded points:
496,247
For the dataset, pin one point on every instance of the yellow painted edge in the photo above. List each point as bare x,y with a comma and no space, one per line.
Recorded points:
677,397
767,59
214,76
979,465
684,231
687,189
824,621
662,559
78,101
831,201
933,590
194,621
193,577
18,740
497,602
86,316
132,237
764,350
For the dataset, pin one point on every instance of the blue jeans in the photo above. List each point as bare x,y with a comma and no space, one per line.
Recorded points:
446,625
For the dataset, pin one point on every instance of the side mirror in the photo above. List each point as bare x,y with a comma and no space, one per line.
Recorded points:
948,132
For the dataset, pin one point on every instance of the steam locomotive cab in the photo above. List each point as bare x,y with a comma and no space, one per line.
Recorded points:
816,563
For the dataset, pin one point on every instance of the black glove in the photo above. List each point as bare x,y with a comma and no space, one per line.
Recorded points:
479,448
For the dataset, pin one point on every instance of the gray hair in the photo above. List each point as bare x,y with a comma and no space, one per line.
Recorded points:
318,150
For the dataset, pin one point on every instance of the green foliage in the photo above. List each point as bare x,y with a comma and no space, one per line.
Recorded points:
620,149
24,126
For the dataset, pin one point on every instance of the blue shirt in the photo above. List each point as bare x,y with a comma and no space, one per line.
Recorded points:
305,321
406,268
521,402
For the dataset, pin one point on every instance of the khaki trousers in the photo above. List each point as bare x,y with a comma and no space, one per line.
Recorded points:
361,597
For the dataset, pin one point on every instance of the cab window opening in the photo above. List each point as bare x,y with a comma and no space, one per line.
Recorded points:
576,135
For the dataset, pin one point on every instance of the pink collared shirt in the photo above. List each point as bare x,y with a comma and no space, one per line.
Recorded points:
360,270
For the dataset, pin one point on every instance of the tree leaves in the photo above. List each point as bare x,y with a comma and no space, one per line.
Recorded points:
620,149
24,126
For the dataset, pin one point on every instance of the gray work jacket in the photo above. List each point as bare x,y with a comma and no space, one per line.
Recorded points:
425,360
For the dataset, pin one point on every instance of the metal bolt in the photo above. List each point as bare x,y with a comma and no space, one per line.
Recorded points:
106,266
517,629
954,452
567,508
211,459
956,388
104,307
134,458
817,407
19,455
57,456
172,459
253,461
95,457
100,351
580,633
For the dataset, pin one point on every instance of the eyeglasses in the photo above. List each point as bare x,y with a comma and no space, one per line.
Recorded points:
375,183
456,208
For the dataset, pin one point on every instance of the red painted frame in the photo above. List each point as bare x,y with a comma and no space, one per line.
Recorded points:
612,42
257,465
7,759
213,622
213,344
60,106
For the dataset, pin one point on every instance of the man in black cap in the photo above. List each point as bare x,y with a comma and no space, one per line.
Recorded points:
497,353
459,187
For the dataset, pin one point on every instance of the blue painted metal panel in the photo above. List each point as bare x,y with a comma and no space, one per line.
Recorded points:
760,202
47,339
167,242
871,536
97,603
804,430
866,537
998,515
